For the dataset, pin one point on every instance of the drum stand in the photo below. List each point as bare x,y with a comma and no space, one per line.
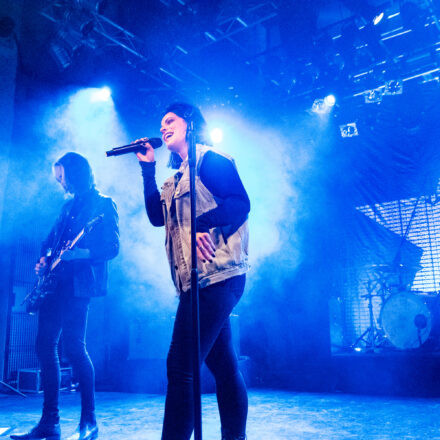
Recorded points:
372,337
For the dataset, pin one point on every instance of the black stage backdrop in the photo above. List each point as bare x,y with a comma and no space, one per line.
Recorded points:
359,199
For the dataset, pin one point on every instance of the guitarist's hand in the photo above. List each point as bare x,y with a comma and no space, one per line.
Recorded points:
75,254
41,266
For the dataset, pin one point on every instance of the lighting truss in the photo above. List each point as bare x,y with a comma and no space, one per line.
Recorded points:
176,73
226,26
111,33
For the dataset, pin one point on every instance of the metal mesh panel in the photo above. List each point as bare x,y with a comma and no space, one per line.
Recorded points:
21,353
23,327
423,232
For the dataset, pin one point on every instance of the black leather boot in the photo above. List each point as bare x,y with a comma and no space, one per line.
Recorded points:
240,437
48,431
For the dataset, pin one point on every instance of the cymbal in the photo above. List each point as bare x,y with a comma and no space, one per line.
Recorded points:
395,268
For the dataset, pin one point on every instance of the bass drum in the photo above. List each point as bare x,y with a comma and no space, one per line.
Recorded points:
406,320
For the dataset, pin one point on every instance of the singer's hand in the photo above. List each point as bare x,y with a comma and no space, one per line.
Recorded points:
205,247
149,154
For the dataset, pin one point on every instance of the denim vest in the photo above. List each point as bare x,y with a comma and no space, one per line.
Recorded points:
231,255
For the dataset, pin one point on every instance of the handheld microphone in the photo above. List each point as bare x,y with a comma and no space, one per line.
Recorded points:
134,147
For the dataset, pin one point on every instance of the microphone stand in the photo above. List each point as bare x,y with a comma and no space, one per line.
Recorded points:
195,319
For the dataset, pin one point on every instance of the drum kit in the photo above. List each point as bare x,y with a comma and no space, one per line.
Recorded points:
408,319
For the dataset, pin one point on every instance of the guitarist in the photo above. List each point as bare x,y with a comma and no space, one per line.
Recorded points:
81,275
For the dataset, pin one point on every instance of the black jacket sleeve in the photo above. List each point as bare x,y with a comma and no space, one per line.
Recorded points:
153,204
103,240
221,178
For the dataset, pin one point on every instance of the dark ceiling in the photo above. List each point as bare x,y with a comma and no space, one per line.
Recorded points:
270,53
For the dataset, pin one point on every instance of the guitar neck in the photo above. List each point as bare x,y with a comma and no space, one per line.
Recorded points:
68,248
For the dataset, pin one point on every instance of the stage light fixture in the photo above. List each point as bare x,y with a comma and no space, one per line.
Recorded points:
378,18
323,106
349,130
319,107
374,96
330,100
60,55
216,135
393,87
64,46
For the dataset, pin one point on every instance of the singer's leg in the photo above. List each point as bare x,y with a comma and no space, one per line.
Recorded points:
216,303
230,387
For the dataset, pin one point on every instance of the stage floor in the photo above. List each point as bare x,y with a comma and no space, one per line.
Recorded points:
273,415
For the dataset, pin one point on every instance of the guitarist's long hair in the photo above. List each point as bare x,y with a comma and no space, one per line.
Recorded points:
77,172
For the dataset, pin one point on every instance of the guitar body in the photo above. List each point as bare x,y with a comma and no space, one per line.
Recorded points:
47,283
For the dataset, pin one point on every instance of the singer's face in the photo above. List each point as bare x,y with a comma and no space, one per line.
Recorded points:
173,129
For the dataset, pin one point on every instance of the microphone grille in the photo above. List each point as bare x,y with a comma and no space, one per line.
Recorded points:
155,142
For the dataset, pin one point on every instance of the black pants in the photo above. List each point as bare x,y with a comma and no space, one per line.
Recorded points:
216,304
62,313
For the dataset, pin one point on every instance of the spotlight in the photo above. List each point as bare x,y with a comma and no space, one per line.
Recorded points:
323,106
216,135
60,55
63,48
101,95
319,107
373,96
330,100
393,87
378,18
349,130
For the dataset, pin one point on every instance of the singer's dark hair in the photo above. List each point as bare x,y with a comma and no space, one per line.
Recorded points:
77,172
189,113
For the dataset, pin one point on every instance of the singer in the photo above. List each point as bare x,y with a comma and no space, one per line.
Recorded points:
222,250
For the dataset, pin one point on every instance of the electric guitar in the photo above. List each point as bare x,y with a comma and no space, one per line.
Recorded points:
46,283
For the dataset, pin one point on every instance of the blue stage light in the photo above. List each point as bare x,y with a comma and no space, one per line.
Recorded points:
349,130
101,95
378,18
330,100
216,135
